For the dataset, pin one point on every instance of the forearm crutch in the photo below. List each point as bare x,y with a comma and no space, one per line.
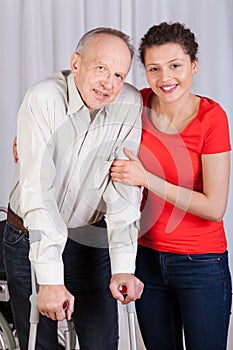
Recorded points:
34,236
131,312
34,314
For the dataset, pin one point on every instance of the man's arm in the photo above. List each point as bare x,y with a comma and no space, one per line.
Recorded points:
123,207
37,202
123,215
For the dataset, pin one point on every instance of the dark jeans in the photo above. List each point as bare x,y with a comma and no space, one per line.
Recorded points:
87,277
192,292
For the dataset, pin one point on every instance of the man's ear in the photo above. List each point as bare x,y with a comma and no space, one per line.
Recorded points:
75,62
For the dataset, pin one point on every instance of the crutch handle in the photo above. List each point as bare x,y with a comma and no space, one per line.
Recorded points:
123,289
65,305
130,307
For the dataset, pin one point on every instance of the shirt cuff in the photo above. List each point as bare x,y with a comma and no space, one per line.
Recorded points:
49,273
122,263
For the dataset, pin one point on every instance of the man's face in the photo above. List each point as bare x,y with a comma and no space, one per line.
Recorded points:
100,70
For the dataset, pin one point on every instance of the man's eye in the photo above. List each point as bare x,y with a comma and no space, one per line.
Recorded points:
154,69
119,76
101,68
175,66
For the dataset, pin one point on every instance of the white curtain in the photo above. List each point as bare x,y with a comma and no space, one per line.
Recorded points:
37,37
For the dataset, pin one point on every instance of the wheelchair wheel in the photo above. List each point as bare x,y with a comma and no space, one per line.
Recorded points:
7,340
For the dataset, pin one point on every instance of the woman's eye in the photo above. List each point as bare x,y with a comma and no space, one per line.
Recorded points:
101,68
154,69
175,66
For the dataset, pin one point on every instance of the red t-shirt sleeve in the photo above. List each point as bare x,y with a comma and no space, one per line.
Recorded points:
216,130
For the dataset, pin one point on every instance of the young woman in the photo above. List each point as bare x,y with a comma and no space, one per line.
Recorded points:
184,168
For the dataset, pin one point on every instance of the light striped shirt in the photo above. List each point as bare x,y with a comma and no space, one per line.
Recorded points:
62,178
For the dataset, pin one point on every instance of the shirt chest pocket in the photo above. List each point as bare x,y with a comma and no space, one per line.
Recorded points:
101,171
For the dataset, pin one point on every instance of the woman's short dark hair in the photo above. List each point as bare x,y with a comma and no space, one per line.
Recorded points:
164,33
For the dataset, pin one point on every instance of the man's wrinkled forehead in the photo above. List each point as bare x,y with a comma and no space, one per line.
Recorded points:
108,49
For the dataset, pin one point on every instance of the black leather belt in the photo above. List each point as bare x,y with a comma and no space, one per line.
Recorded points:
17,222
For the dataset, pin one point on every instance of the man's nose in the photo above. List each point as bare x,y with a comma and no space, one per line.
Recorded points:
107,81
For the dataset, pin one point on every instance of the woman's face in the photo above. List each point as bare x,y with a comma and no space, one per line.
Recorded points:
169,71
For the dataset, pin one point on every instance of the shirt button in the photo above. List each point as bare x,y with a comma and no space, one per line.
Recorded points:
71,190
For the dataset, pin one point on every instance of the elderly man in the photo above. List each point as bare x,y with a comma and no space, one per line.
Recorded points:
78,228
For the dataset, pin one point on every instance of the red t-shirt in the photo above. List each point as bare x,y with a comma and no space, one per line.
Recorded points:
177,158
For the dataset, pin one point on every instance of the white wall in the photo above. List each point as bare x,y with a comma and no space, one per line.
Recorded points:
37,37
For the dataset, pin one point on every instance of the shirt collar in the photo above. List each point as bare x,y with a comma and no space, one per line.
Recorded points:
75,102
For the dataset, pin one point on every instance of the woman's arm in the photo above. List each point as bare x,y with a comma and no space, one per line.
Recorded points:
209,204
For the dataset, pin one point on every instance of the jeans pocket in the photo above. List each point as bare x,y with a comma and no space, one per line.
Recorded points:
12,236
205,258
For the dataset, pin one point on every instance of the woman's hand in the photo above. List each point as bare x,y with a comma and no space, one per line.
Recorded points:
129,172
14,151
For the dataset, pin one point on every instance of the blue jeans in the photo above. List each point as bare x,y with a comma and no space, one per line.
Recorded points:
87,277
190,292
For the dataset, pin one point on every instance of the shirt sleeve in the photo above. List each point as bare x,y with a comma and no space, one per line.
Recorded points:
216,131
123,203
35,131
